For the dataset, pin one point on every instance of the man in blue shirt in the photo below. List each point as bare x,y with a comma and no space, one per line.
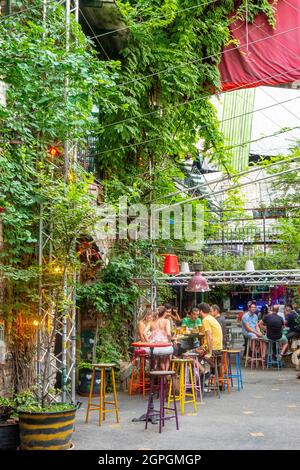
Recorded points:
250,328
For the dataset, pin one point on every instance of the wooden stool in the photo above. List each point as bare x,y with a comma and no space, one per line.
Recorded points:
236,353
224,378
161,375
256,357
214,380
138,381
178,366
197,374
102,405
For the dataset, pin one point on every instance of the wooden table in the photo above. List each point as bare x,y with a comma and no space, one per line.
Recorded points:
151,346
186,336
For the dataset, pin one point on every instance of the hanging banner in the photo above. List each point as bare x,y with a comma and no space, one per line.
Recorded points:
264,55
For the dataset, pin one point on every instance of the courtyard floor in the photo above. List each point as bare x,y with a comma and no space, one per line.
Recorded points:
264,415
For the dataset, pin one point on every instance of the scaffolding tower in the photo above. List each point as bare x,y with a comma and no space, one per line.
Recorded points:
56,341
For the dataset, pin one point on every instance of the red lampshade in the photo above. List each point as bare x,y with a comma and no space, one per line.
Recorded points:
197,283
171,264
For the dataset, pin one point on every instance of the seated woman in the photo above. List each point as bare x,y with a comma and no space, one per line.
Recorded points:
160,332
175,316
144,320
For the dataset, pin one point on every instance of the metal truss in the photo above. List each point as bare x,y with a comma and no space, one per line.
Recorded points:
288,277
210,189
56,343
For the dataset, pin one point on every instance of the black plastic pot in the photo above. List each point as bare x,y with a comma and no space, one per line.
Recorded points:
84,382
9,436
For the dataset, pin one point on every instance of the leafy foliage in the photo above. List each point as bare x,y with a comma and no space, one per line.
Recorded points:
169,68
113,298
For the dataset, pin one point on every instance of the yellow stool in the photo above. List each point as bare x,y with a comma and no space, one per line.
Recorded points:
102,405
179,366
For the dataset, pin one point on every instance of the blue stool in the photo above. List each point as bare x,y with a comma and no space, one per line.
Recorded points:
273,350
237,374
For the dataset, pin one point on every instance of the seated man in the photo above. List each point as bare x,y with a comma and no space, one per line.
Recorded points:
291,323
189,343
250,326
274,326
193,321
213,334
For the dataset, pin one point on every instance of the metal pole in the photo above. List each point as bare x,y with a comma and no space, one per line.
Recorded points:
40,308
73,339
180,299
64,340
264,231
8,7
153,252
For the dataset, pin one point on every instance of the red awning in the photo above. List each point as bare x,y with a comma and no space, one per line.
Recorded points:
265,56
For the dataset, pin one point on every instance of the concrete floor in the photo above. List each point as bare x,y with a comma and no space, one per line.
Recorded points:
265,415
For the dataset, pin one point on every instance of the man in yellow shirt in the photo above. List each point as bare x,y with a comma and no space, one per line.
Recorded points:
213,332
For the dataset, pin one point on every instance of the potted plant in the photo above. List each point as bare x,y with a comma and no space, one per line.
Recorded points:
9,426
47,426
84,380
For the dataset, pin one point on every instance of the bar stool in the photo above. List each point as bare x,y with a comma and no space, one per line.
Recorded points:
214,380
256,357
138,381
161,375
103,402
224,379
273,349
197,374
178,366
237,374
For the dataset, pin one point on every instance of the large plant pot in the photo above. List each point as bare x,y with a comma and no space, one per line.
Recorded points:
84,382
9,436
46,430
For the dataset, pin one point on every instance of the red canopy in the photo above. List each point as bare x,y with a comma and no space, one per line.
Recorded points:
265,56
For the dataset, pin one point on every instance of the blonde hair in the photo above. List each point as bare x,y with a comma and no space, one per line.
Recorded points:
146,313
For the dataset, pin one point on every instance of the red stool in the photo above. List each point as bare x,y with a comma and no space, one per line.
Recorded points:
138,381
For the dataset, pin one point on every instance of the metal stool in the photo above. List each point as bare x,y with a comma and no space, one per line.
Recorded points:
138,381
178,366
256,357
102,405
273,350
238,370
161,375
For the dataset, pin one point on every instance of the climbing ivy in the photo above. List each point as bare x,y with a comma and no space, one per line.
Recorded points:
169,68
